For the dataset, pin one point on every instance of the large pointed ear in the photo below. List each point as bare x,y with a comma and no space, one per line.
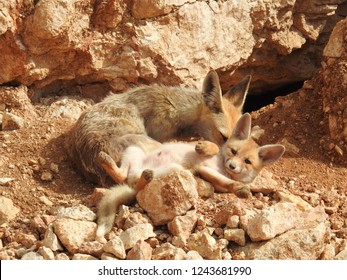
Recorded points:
211,92
242,129
237,94
270,153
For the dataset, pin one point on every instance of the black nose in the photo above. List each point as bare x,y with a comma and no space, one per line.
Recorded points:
232,165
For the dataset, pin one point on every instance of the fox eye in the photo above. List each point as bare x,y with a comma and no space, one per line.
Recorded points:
233,151
247,161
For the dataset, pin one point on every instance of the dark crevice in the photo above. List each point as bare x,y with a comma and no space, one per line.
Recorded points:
257,101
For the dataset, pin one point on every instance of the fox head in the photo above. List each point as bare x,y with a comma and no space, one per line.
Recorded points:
220,112
243,157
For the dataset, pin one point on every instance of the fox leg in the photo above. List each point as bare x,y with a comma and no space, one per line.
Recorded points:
206,148
223,183
111,168
146,176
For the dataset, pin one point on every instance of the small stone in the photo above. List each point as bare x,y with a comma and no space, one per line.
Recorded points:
93,248
11,122
5,181
42,161
79,212
136,233
47,176
27,240
226,256
62,257
51,241
168,252
134,219
338,150
108,257
45,200
205,245
235,235
123,214
141,251
342,255
115,246
73,234
193,255
54,168
83,257
183,225
32,256
8,211
290,148
233,221
46,253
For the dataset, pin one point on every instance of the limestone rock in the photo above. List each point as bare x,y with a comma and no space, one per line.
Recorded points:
11,121
304,242
135,219
62,257
205,245
67,107
170,42
233,221
183,225
51,240
168,252
169,196
79,212
264,183
46,253
73,233
8,211
93,248
141,251
139,232
83,257
115,246
193,255
32,256
235,235
272,221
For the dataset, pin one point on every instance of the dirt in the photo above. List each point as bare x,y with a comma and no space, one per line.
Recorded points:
306,169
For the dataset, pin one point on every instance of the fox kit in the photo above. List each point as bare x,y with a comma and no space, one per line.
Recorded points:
236,163
97,140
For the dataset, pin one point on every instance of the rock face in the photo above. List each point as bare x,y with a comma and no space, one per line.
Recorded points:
111,44
333,89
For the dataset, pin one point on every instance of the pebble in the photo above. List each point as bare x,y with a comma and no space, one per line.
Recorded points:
47,176
5,181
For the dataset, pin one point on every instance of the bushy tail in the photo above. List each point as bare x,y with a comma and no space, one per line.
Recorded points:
108,207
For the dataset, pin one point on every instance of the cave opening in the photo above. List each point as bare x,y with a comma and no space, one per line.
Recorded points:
257,101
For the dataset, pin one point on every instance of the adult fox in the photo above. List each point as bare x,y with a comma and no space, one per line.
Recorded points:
96,142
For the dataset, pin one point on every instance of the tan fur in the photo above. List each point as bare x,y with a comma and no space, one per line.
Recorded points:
237,163
97,140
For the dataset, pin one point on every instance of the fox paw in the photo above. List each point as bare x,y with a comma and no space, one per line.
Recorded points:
206,148
244,192
147,175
